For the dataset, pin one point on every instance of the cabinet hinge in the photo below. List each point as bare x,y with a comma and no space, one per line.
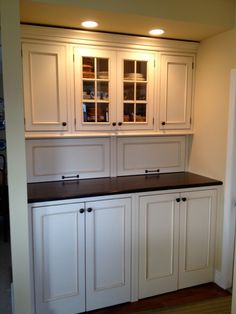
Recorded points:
73,57
154,63
75,121
24,121
21,52
153,121
190,120
192,65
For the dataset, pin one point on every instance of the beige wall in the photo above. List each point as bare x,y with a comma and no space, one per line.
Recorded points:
216,57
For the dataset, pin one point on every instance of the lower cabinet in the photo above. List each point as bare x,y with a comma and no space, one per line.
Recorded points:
82,250
82,255
176,241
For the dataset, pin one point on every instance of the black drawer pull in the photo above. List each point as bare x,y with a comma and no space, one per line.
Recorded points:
113,123
178,199
152,171
119,123
64,123
163,123
89,210
70,177
81,210
184,199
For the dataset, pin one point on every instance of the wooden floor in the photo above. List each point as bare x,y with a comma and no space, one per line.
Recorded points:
179,297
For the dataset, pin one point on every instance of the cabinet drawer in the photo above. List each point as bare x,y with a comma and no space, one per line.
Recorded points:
150,154
50,160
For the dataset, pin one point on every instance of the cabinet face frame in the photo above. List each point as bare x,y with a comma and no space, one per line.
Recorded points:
95,53
176,83
41,62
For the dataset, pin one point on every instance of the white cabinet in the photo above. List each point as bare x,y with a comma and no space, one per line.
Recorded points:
176,80
113,89
45,87
135,90
176,241
94,88
81,255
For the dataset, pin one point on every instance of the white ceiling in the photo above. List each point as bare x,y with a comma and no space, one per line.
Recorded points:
181,19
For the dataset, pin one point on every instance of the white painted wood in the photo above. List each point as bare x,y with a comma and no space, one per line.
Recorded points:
197,238
108,252
148,80
106,39
158,244
94,52
45,86
176,91
49,160
137,154
59,257
228,242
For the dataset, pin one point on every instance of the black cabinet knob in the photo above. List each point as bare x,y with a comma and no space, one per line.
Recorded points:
163,123
81,210
113,123
120,123
89,210
184,199
64,123
178,199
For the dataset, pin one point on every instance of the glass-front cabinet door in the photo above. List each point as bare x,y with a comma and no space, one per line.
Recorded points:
94,72
135,90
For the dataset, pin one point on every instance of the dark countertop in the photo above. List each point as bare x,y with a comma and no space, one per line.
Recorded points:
59,190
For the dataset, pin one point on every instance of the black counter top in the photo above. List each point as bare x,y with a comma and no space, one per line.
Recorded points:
51,191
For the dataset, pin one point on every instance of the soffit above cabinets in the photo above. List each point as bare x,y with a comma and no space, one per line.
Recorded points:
189,20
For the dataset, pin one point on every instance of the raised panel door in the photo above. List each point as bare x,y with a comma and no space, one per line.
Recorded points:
108,252
176,78
59,269
45,87
197,238
158,244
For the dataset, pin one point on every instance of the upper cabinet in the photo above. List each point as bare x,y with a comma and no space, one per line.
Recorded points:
94,88
176,80
113,90
45,87
78,83
135,78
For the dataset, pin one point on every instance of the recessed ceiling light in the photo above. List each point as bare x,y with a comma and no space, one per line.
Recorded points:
157,31
89,24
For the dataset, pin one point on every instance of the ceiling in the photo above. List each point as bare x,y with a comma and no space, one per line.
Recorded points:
181,19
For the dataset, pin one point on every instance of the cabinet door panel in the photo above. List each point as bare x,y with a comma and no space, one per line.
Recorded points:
45,96
197,219
176,92
108,249
58,233
158,240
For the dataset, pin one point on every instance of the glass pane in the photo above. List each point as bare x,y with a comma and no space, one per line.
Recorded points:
88,89
88,67
89,112
128,91
129,69
102,90
103,112
141,112
102,68
141,91
141,71
128,112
